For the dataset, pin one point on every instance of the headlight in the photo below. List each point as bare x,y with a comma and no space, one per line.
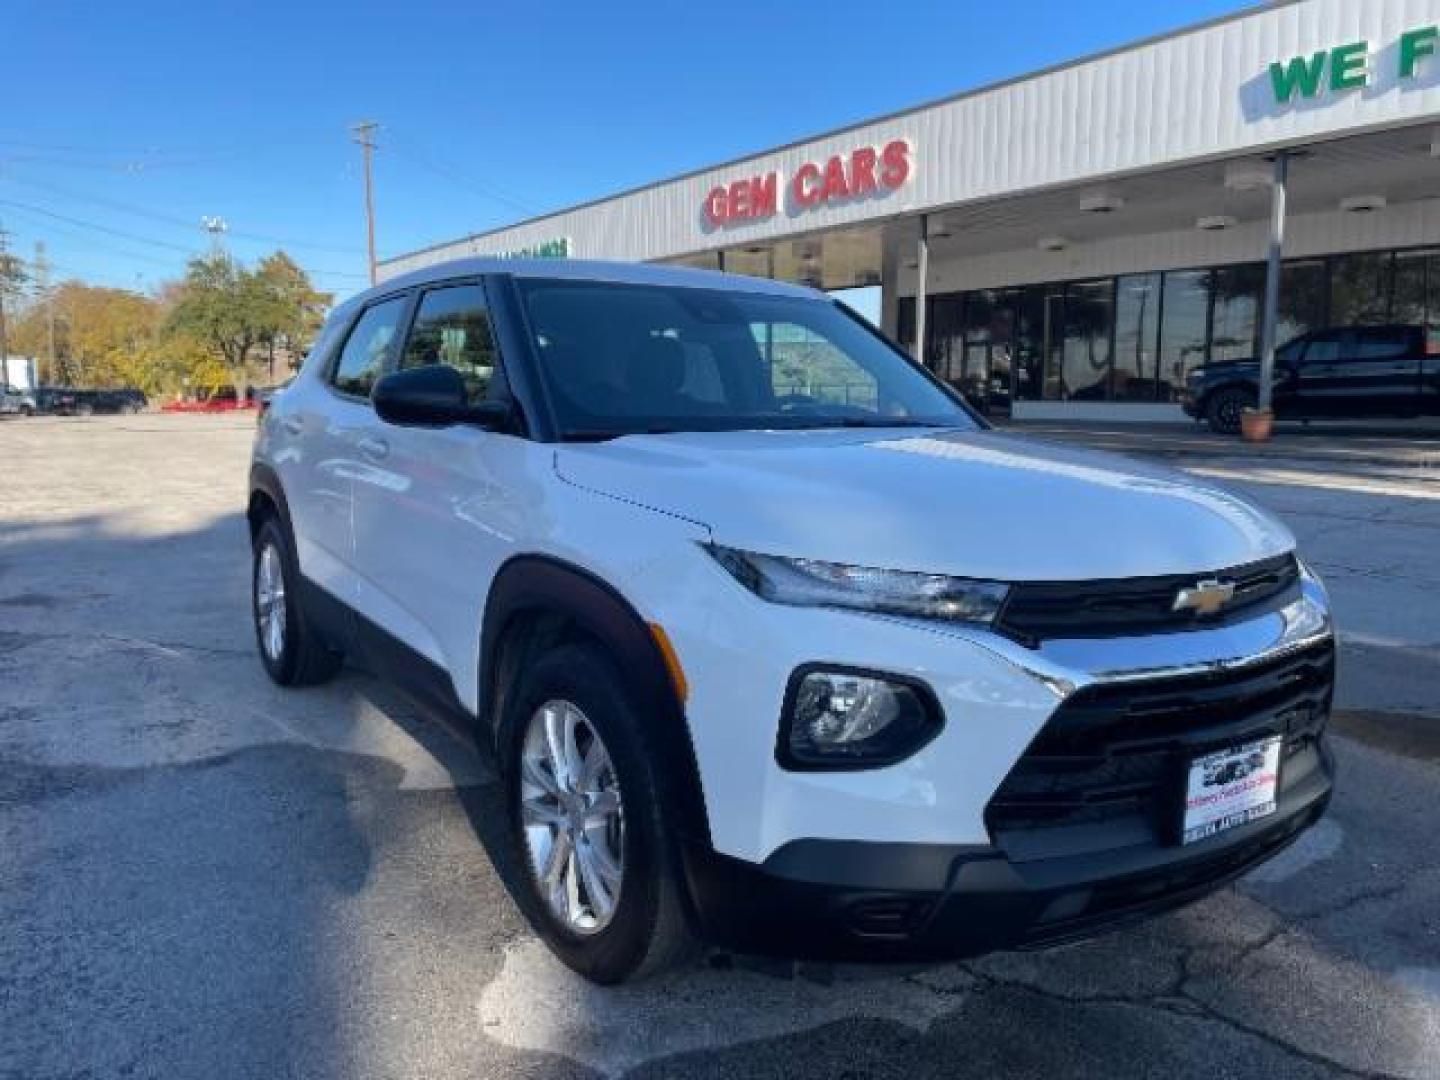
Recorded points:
811,583
839,718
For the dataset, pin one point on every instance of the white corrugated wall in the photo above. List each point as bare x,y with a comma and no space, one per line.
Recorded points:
1198,95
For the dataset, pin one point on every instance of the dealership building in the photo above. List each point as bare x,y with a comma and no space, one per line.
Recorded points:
1071,243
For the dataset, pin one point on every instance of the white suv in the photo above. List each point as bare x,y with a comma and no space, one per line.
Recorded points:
777,645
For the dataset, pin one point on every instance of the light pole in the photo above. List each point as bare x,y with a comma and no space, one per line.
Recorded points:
217,227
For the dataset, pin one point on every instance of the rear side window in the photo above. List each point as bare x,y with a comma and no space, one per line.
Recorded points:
452,327
362,361
1390,343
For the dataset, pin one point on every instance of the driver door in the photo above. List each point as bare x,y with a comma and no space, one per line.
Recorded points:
441,508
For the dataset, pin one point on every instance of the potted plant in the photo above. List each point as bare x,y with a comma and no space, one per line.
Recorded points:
1256,424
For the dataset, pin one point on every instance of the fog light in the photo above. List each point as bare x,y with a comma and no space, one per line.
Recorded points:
841,719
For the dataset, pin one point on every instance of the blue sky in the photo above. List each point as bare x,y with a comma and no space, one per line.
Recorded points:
125,123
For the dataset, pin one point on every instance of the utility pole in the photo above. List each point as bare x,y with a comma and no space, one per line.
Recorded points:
42,290
5,268
364,135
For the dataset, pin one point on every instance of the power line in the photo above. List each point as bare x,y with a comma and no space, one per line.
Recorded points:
97,227
167,219
103,246
420,157
189,252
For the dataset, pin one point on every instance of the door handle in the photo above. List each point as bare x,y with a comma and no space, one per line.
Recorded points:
374,448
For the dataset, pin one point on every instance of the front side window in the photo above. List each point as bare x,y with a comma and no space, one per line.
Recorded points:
620,359
452,327
1324,349
362,361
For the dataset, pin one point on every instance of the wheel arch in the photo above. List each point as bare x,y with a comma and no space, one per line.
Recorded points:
539,601
267,497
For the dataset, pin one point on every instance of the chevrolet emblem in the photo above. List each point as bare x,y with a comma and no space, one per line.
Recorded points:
1204,597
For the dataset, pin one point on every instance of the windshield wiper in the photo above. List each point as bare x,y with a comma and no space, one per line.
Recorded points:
867,422
606,434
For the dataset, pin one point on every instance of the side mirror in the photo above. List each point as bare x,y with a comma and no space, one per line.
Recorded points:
433,396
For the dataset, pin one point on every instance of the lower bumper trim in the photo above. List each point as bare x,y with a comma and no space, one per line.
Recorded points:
842,900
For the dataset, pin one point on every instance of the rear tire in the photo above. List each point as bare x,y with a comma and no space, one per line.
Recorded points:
293,654
1223,410
631,922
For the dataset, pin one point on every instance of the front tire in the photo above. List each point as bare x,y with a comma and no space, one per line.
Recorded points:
293,654
1223,410
592,851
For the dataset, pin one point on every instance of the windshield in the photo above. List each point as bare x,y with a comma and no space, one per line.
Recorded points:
620,359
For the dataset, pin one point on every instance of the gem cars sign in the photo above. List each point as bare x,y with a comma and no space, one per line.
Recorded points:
865,172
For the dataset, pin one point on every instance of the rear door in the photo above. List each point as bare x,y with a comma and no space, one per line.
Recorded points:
1384,369
1368,371
325,425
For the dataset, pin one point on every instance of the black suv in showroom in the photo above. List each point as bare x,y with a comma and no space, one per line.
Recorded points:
1341,372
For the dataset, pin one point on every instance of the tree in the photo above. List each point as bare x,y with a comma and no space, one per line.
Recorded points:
12,281
103,337
232,309
294,309
219,304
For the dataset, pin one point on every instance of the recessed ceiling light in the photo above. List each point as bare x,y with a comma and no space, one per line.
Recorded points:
1362,204
1101,202
1052,243
1215,222
1248,175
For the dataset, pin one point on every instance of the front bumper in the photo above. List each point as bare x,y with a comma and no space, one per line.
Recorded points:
865,901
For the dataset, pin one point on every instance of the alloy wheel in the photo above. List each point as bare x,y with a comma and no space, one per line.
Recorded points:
572,816
270,602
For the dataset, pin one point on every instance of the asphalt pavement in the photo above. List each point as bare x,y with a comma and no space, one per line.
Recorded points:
202,875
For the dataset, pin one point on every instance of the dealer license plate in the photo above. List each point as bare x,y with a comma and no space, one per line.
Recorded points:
1231,787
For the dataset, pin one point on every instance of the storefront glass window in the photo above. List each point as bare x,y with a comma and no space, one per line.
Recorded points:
1084,357
945,336
1235,315
1416,299
1137,328
1028,359
1409,296
1183,330
1360,289
1302,299
905,322
988,328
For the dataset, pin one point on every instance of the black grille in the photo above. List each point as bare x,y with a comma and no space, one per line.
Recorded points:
1119,751
1038,610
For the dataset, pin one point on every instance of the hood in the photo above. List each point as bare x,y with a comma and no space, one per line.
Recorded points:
975,504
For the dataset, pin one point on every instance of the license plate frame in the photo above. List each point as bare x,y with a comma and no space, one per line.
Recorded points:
1227,788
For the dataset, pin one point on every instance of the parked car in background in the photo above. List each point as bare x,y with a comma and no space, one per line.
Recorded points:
56,401
14,401
69,401
1342,372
